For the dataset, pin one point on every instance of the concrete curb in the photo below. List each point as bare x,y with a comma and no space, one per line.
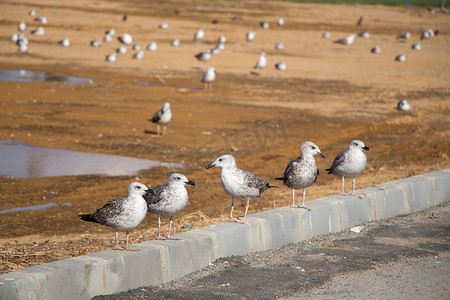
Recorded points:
111,271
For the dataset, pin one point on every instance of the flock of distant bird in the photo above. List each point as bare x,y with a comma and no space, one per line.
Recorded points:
125,214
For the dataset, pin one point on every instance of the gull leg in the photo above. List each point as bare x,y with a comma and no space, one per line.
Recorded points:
353,189
168,237
164,130
157,126
231,213
245,215
116,242
342,191
293,199
159,229
303,203
128,248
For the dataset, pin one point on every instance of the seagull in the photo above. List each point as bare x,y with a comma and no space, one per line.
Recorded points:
279,46
403,105
96,43
401,57
14,38
23,47
125,17
350,163
302,172
208,77
139,55
111,32
32,13
360,21
203,56
250,36
126,38
152,46
326,35
122,49
364,34
222,39
65,42
199,35
168,200
38,31
43,20
163,116
137,47
22,26
163,26
108,38
280,22
416,46
346,41
404,35
376,49
111,57
262,62
237,183
175,43
280,66
122,214
427,34
264,25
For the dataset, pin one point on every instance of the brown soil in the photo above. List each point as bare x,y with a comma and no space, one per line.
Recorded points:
330,94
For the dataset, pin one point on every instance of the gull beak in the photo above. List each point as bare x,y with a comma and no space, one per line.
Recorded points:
190,182
210,166
323,155
366,148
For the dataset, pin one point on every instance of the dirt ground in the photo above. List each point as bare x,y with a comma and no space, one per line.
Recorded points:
330,94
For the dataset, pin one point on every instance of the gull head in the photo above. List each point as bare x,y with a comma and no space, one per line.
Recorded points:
309,148
358,145
225,161
177,179
137,188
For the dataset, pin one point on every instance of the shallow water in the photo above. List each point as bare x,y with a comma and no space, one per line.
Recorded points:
33,207
38,76
19,160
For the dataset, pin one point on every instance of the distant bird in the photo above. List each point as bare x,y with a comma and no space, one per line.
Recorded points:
163,117
346,41
22,26
175,43
250,36
139,55
401,57
416,46
126,39
350,163
279,46
137,47
122,49
111,32
280,22
111,57
107,38
215,50
124,18
163,26
168,200
14,38
376,49
199,35
281,66
264,25
208,77
359,21
96,43
326,35
203,56
152,46
43,20
122,214
403,105
38,31
262,62
222,39
65,42
302,172
364,34
239,184
404,35
23,47
32,13
427,34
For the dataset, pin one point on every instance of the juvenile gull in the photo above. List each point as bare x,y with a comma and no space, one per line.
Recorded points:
346,41
302,172
350,163
403,105
208,77
163,116
237,183
168,200
122,214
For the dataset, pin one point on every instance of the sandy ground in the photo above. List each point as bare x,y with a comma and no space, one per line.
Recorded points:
330,94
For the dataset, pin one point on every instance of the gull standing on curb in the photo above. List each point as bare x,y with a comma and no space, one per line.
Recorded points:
238,184
122,214
350,163
302,172
168,200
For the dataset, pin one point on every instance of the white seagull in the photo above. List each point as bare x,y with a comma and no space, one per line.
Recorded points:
152,46
111,57
346,41
139,55
416,46
376,49
208,77
280,22
401,57
126,38
250,36
350,163
302,172
262,62
65,42
163,117
403,105
281,66
122,214
22,26
38,31
237,183
168,200
199,35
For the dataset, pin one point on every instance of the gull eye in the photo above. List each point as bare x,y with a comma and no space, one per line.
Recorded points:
138,187
178,178
220,159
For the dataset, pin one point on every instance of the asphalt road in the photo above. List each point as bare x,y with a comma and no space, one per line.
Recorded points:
406,257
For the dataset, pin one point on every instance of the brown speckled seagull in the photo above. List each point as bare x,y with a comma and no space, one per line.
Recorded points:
122,214
239,184
302,172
